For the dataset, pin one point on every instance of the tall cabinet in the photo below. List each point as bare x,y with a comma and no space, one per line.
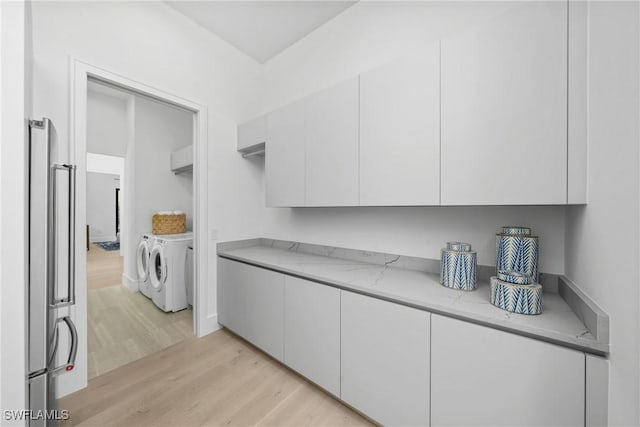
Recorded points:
504,109
332,130
284,161
400,132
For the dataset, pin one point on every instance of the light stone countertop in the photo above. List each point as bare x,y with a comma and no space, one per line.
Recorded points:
557,324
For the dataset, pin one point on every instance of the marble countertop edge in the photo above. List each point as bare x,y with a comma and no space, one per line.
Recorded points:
470,305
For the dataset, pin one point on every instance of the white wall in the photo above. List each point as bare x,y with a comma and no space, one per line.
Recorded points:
160,129
15,105
101,205
106,122
151,43
602,252
366,35
108,128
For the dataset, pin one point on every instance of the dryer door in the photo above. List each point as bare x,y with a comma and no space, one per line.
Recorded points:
158,267
142,260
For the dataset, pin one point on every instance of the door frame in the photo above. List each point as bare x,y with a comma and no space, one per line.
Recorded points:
80,73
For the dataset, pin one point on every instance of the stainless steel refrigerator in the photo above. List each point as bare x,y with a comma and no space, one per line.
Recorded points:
51,256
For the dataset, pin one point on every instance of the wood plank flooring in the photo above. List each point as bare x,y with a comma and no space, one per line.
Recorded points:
124,326
212,381
104,268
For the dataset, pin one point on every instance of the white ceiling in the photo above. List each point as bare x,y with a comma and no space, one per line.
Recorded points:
261,29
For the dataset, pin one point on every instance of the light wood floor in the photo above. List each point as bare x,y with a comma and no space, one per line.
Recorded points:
124,326
104,268
216,380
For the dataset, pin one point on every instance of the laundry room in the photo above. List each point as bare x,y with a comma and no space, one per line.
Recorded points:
139,226
320,213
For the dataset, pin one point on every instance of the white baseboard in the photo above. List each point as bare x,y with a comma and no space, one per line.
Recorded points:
209,325
129,283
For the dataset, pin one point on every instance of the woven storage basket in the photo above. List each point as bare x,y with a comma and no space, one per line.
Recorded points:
168,223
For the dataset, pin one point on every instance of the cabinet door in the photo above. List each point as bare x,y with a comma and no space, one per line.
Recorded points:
385,360
252,132
504,109
250,303
332,146
312,331
400,132
481,376
284,158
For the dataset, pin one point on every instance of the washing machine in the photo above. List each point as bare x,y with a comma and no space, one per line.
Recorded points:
167,271
143,253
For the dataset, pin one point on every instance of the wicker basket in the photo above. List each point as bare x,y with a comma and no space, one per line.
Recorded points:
168,223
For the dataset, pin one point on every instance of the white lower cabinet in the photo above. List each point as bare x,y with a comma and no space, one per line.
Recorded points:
312,331
403,366
385,360
481,376
251,304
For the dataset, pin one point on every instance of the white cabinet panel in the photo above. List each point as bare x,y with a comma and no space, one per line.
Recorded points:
504,109
252,132
251,304
332,146
400,132
597,391
577,103
285,158
385,360
312,331
481,376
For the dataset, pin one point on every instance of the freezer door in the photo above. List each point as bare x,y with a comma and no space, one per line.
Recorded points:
38,398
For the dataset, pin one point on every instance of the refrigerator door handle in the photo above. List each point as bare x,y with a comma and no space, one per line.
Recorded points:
41,264
73,348
70,299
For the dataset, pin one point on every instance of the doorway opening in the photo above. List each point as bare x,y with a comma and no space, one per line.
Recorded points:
140,287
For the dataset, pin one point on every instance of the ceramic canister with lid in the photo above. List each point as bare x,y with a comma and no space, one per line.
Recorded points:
458,266
517,250
516,292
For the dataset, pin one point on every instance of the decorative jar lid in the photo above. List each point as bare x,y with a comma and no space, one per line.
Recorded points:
516,230
515,277
458,246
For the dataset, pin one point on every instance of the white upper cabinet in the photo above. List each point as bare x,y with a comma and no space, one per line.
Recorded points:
331,166
285,156
493,115
577,103
504,109
484,377
400,132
